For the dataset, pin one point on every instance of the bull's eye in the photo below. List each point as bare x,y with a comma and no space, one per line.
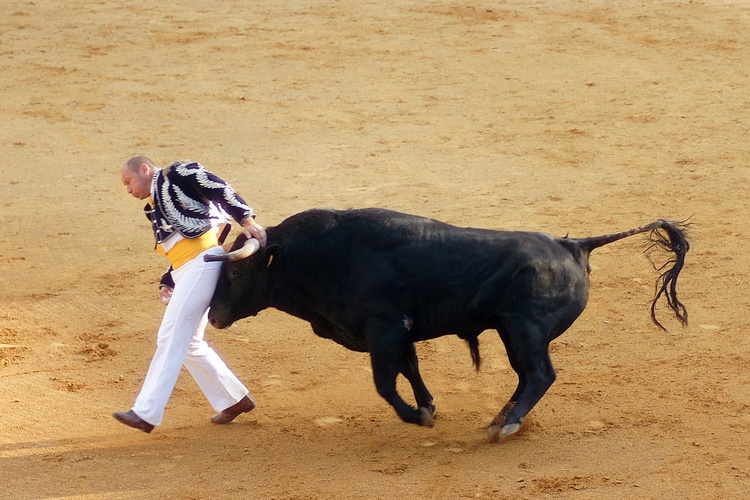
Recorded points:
236,272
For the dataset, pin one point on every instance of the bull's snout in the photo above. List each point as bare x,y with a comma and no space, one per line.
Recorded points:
216,323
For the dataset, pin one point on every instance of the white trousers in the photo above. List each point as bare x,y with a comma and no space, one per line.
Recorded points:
180,341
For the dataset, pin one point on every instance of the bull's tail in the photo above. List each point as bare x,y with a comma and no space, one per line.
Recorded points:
665,235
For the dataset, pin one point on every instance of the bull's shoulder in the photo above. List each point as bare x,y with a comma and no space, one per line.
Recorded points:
380,221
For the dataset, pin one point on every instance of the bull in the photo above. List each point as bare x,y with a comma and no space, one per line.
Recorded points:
377,281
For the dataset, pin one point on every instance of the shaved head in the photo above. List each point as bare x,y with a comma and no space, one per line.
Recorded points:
135,163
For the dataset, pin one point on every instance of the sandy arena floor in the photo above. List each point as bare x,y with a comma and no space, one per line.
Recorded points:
580,117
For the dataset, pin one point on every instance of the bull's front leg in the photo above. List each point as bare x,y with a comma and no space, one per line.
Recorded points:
387,345
410,370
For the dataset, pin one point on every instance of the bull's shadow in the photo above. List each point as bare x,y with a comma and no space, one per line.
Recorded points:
377,281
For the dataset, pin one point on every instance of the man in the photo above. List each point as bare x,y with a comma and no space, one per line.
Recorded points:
187,205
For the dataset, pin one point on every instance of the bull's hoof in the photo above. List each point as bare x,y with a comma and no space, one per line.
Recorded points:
425,417
495,433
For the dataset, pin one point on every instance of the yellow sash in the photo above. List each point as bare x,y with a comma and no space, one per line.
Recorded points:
188,248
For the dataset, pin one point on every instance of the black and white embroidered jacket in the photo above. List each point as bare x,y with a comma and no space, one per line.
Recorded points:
190,200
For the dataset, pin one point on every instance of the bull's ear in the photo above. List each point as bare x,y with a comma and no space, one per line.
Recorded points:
271,253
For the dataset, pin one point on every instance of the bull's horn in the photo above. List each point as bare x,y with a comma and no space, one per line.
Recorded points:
250,247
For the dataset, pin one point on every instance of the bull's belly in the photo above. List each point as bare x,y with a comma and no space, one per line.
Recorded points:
465,326
343,337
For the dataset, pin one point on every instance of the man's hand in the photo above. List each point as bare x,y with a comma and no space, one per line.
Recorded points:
165,294
254,230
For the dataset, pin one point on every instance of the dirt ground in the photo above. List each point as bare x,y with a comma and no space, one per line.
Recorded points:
580,117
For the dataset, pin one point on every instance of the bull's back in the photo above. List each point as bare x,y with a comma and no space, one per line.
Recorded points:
451,278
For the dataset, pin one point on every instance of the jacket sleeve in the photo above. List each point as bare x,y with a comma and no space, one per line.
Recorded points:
218,191
166,279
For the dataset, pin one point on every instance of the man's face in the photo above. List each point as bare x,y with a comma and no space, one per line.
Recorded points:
137,182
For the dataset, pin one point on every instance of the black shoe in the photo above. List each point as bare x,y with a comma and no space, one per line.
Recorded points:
131,419
244,405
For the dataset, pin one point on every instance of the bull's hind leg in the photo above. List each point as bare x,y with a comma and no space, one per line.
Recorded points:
528,353
388,348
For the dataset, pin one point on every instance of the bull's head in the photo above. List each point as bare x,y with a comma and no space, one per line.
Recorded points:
242,288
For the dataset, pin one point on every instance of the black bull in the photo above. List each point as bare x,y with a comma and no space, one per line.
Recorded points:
377,281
